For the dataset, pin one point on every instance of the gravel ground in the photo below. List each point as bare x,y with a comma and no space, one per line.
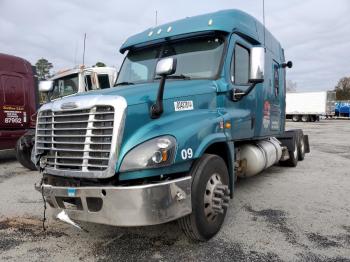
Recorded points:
284,214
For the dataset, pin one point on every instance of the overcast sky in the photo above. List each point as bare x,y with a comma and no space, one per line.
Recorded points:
315,34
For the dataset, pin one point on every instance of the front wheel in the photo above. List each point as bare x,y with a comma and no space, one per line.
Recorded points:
23,154
210,197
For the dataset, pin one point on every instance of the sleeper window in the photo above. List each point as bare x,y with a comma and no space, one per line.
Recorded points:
276,79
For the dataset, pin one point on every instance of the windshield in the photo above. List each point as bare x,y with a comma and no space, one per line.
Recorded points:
65,86
196,59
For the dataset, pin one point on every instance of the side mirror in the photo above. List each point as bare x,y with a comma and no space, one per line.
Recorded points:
257,65
289,64
46,86
166,66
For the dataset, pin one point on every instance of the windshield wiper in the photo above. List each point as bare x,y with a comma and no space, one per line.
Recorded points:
182,76
124,84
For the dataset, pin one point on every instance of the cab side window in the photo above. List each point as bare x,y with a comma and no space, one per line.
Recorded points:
240,66
103,80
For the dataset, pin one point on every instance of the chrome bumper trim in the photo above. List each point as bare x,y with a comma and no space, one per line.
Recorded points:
142,205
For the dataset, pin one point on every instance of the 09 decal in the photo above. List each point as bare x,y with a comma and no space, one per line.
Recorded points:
186,153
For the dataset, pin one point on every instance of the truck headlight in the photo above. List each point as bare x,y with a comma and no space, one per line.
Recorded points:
157,152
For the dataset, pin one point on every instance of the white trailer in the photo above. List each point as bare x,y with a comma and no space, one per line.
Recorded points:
309,106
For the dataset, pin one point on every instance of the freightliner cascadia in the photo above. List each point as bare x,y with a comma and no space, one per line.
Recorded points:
198,102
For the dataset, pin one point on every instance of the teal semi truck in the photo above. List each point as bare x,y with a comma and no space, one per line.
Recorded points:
197,103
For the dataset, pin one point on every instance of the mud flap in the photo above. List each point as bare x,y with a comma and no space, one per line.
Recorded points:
306,143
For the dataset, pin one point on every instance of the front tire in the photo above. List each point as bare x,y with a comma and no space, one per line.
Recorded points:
23,155
210,196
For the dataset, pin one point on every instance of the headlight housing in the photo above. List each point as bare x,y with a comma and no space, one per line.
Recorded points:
157,152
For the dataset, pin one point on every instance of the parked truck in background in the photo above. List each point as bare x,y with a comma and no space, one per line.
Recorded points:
342,109
65,83
198,102
309,106
18,99
78,80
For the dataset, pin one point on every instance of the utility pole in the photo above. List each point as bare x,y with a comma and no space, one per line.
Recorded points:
75,54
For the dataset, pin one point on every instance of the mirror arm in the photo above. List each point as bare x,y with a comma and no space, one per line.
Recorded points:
236,96
156,109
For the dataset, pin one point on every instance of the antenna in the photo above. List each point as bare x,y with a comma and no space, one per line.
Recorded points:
264,22
156,17
75,54
84,50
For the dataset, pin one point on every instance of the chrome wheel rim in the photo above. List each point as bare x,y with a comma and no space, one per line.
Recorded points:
216,197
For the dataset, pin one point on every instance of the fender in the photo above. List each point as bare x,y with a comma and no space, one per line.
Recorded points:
194,135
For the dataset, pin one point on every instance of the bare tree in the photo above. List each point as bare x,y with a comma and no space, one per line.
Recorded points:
343,89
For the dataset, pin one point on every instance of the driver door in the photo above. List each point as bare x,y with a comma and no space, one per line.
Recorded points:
243,111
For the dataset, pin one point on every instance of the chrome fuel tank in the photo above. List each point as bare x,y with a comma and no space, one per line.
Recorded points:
255,157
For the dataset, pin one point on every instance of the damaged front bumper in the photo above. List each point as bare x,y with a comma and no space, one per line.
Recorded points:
140,205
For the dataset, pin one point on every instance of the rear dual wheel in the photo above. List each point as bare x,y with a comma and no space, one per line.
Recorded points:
293,157
301,148
305,118
295,118
298,153
210,197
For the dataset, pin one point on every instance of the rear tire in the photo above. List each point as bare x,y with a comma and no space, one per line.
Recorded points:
293,157
305,118
301,148
209,174
295,118
24,155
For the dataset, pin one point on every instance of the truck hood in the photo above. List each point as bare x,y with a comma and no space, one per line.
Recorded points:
147,92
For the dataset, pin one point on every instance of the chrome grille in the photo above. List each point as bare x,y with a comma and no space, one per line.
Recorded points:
76,140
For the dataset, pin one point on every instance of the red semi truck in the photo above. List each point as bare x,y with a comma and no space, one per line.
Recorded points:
18,102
